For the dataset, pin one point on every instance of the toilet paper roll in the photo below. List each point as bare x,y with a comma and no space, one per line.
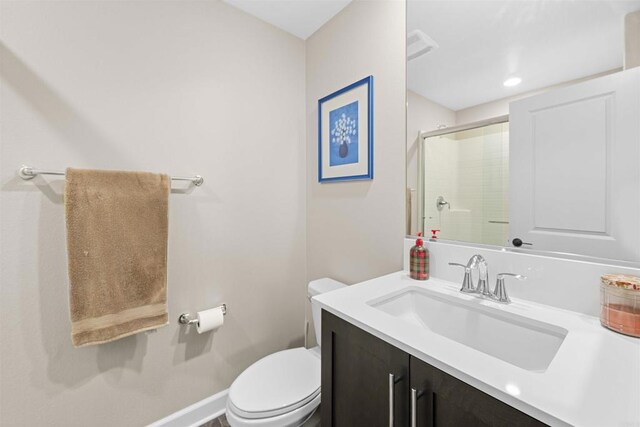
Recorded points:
209,320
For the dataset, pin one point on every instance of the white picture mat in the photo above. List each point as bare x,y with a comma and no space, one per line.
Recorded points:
359,94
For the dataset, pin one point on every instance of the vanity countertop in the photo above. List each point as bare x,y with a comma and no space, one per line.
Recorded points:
593,380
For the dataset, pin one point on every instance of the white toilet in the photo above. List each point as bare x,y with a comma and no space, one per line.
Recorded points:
283,388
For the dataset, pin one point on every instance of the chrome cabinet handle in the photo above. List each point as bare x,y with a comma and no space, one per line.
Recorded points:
391,398
414,404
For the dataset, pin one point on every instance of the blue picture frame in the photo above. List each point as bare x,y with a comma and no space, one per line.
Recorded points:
342,154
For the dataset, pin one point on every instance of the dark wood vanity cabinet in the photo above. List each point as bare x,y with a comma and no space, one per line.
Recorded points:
443,400
363,377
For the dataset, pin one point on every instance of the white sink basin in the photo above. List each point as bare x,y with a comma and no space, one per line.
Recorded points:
520,341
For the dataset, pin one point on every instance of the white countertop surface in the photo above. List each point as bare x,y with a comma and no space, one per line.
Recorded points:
594,379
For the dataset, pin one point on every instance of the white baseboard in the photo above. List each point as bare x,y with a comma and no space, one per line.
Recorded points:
196,414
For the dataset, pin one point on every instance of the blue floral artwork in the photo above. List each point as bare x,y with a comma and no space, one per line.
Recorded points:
343,124
345,133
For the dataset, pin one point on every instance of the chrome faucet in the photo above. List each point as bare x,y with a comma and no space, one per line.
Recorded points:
467,284
500,291
479,263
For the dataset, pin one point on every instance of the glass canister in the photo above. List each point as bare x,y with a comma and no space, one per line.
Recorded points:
620,303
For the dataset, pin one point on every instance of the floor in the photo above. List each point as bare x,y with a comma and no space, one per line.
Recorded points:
221,421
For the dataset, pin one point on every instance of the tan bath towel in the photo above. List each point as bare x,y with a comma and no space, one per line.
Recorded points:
117,225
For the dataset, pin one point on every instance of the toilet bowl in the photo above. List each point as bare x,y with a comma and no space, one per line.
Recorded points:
283,388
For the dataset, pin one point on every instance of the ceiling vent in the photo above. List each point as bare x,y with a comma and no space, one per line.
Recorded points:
418,44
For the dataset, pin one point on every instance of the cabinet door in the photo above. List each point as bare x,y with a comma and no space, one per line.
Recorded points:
364,380
444,401
573,170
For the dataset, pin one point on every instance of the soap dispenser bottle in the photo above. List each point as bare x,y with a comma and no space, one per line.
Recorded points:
419,261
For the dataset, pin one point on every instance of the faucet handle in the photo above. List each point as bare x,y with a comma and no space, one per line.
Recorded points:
460,265
467,286
500,291
516,276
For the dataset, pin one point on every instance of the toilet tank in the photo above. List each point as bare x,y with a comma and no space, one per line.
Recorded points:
317,287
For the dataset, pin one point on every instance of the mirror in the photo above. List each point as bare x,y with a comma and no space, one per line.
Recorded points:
470,64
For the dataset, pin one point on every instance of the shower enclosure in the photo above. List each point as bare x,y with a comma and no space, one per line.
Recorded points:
463,182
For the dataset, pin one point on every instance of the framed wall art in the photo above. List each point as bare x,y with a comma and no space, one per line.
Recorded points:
345,133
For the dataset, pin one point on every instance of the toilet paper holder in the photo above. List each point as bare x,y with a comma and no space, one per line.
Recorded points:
188,319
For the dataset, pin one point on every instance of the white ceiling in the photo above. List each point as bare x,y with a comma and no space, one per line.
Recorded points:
544,42
298,17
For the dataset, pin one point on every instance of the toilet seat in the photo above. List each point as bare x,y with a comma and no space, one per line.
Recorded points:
277,384
295,418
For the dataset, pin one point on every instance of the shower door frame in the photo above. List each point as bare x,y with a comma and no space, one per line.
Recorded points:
421,160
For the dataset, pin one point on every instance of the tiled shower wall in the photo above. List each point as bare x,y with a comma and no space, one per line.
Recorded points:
470,169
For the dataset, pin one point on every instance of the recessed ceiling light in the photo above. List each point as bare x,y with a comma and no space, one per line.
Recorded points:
512,81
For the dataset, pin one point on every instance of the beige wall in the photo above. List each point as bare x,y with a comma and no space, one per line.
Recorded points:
632,40
180,87
355,228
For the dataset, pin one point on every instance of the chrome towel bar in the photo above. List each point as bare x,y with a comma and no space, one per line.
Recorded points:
27,172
